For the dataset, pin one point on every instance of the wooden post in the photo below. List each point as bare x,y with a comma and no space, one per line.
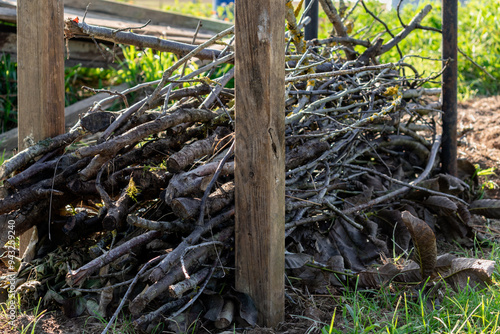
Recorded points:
449,87
40,70
260,155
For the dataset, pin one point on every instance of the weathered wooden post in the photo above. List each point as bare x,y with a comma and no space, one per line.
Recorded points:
40,66
449,86
260,154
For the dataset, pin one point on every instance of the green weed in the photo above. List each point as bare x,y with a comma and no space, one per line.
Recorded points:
77,76
140,66
2,156
485,182
37,314
193,8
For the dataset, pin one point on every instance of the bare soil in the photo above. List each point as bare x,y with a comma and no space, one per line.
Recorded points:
479,142
479,136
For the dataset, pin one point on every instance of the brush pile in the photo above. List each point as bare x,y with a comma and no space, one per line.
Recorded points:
116,201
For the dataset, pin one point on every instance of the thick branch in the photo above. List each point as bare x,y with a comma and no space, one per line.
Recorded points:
130,38
406,31
335,19
113,145
78,276
174,255
24,157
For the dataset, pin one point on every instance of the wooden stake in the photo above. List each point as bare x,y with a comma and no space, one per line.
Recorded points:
260,155
449,86
40,66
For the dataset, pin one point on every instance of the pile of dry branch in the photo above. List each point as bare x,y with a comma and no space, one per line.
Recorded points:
134,209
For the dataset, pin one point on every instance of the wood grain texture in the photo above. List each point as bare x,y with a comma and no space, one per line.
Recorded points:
260,155
40,68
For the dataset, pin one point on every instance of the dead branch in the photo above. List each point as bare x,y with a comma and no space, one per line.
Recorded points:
407,30
333,16
188,208
180,116
173,256
21,159
192,260
335,39
189,153
190,183
143,41
76,277
400,191
165,226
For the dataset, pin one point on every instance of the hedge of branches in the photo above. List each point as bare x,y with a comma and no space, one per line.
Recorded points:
134,209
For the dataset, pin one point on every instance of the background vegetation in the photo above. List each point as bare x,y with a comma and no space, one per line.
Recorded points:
479,38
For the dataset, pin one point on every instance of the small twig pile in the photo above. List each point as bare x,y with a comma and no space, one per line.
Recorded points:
142,212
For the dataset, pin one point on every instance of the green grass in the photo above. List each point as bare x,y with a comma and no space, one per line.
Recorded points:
397,309
140,66
31,327
8,93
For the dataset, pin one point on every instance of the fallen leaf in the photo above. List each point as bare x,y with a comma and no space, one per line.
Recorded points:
472,272
214,305
441,203
248,310
490,208
374,278
296,260
424,241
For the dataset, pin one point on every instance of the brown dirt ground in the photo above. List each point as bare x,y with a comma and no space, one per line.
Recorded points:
479,135
479,142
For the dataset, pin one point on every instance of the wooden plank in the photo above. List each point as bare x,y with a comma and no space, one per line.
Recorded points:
259,155
164,29
143,14
40,70
8,3
8,140
8,14
83,50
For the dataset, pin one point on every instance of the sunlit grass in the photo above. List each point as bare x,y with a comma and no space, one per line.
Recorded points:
403,309
36,314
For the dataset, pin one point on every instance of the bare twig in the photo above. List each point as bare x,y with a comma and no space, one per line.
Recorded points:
406,31
142,41
211,184
129,290
399,192
110,92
